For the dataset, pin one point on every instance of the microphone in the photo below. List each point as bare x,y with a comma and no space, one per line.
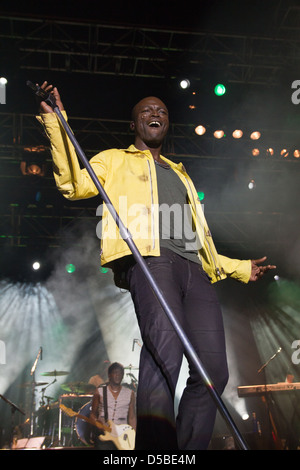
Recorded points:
42,94
41,355
271,358
135,341
36,360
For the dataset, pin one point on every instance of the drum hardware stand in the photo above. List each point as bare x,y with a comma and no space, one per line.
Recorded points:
134,382
60,414
42,402
126,236
59,422
48,399
32,373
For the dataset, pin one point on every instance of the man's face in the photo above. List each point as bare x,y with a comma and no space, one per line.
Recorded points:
150,122
116,376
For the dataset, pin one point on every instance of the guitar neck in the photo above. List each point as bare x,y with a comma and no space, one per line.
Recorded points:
94,423
72,414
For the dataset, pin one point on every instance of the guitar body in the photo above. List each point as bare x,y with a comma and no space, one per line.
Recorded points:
122,435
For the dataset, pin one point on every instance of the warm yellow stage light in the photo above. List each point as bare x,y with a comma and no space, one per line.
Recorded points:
219,134
284,153
296,153
200,130
237,134
255,135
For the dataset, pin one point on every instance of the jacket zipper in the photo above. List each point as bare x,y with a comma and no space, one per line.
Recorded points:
152,205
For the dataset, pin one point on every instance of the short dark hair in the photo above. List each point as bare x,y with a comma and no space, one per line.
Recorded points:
115,365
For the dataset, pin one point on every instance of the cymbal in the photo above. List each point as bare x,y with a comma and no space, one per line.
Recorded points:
131,367
78,387
36,384
54,373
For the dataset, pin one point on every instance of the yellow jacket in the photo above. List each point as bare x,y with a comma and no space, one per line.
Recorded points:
129,179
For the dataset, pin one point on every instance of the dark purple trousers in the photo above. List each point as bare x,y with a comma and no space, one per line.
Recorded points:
192,298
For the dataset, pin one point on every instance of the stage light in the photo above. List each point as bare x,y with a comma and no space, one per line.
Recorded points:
237,134
3,83
269,152
33,161
220,89
284,153
219,134
200,130
103,270
255,135
32,169
36,265
255,152
184,84
251,185
70,268
276,277
296,153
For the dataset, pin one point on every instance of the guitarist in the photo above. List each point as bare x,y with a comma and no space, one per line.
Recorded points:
113,402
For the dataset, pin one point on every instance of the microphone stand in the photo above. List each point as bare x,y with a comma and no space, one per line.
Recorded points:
13,409
267,401
32,373
126,236
269,360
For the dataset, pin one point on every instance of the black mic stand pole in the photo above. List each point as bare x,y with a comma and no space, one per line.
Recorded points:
13,408
126,236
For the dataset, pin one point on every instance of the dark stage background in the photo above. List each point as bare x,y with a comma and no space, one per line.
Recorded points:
103,59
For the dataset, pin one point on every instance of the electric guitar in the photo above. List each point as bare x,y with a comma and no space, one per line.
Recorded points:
123,435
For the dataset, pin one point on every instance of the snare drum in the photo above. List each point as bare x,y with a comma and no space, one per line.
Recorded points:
85,430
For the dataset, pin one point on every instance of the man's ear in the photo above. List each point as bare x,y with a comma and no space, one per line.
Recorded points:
132,126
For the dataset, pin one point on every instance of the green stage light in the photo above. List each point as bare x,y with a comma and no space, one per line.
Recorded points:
220,89
201,195
103,270
70,268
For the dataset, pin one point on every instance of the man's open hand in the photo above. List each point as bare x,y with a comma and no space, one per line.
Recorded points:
258,271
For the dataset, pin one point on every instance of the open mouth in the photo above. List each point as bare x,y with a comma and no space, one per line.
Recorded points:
154,124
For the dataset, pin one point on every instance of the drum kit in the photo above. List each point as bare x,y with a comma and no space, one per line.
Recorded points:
51,421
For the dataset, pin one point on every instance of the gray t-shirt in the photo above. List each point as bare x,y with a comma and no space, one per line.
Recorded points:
175,219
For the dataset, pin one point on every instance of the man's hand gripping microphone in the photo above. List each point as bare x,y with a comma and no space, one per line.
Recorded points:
42,94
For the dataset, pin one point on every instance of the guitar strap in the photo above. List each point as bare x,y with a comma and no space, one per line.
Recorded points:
105,403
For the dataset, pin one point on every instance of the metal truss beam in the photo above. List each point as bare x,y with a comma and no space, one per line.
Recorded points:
134,51
97,134
25,223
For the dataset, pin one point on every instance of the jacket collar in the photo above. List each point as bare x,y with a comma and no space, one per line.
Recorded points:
178,166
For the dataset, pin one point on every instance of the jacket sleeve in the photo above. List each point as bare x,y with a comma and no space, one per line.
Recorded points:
72,181
236,269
